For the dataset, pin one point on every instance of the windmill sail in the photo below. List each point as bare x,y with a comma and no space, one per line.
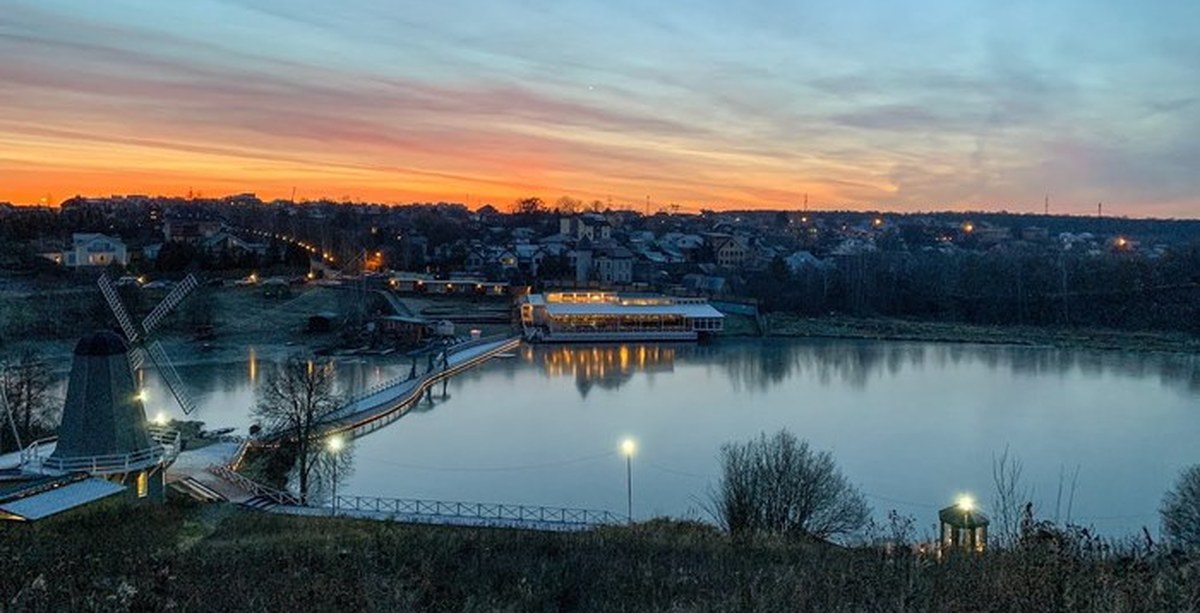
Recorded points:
139,335
118,308
169,303
170,376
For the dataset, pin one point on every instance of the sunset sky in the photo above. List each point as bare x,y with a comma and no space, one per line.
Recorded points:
940,104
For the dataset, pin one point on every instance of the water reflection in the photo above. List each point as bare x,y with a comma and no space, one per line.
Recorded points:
606,366
758,365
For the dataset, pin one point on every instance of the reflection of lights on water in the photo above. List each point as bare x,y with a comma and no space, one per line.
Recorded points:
253,366
598,362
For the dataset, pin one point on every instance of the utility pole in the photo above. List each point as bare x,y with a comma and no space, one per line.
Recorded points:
1047,205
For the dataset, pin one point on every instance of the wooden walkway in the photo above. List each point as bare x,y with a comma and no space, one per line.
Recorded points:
387,402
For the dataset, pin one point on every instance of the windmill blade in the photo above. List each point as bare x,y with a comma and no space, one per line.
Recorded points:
170,376
137,358
118,308
168,304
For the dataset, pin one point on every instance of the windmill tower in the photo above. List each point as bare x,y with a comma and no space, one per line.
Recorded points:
104,430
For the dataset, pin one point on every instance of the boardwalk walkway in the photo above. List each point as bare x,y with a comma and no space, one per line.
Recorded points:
384,403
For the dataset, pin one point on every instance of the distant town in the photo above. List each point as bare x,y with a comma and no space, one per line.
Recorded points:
980,268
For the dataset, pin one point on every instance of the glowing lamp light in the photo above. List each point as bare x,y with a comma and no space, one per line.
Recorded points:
628,447
335,443
965,503
142,396
160,419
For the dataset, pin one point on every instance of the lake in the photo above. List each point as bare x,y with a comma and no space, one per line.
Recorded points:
912,424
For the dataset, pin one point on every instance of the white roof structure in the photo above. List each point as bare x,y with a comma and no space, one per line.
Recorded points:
694,311
61,498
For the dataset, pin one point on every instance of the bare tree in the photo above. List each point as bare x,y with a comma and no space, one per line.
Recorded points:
27,380
529,206
1180,510
292,401
778,485
1009,497
568,206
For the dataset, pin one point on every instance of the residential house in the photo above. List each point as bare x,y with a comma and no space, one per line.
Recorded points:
728,251
607,263
189,228
591,226
91,250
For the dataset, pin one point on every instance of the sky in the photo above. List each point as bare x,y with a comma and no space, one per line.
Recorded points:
890,105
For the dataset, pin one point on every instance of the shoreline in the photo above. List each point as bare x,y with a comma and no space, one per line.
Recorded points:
783,325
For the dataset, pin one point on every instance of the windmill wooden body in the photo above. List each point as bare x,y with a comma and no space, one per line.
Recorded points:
104,429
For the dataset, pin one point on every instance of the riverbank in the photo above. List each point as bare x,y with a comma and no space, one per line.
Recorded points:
224,558
786,325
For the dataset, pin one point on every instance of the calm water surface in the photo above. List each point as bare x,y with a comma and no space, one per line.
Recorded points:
913,424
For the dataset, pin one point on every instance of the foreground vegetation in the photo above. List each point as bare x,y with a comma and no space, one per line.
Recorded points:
223,558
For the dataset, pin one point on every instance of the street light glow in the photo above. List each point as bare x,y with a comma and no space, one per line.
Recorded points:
966,503
160,419
628,447
335,443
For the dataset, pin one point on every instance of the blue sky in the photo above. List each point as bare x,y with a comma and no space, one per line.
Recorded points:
891,105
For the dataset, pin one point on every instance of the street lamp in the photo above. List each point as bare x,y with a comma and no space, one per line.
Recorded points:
334,444
627,448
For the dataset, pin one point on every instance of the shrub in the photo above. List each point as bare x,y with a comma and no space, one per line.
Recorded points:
1180,510
778,485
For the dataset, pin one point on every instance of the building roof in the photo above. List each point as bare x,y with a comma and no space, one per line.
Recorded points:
60,498
962,518
558,309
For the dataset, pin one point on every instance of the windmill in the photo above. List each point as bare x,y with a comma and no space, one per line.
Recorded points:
140,335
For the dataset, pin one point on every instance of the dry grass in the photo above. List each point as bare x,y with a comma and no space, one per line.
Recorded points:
125,559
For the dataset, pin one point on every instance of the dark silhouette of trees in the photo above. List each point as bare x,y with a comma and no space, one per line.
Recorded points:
778,485
293,399
1180,510
27,381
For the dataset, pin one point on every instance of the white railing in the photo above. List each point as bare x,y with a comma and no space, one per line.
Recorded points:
480,511
164,449
254,487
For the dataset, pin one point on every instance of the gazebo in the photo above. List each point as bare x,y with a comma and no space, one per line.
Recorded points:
963,527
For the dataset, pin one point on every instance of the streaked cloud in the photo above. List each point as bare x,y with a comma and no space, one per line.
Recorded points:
928,105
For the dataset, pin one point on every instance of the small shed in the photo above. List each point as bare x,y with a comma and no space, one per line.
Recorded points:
407,330
963,527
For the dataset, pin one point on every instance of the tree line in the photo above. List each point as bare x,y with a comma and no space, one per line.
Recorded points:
1008,288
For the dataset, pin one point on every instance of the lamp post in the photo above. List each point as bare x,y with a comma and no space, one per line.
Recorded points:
627,448
334,444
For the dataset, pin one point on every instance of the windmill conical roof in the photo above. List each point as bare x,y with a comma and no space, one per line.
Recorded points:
103,342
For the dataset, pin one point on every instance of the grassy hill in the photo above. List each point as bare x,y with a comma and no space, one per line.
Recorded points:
224,559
